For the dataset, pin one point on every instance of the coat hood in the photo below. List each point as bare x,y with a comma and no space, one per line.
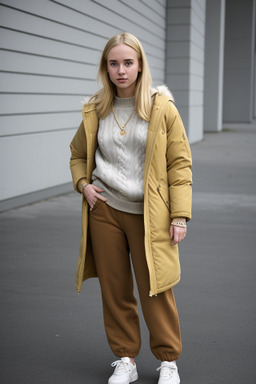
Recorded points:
162,90
85,100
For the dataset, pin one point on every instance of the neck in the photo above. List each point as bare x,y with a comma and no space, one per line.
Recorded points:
125,93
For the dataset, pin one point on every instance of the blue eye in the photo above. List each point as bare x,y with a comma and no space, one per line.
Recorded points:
128,63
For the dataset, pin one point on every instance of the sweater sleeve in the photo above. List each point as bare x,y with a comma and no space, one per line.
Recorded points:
78,159
179,165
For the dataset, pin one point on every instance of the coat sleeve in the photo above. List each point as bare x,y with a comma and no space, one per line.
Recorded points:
179,165
78,160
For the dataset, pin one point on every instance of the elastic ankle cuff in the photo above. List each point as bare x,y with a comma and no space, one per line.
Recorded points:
167,357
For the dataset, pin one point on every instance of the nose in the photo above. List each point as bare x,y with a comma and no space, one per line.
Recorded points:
121,69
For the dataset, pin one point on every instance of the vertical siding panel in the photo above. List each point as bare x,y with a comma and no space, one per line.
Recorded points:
185,61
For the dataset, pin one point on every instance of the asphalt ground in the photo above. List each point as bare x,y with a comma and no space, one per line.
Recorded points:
49,334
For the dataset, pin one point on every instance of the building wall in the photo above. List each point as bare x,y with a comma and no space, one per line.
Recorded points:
49,53
185,61
239,78
48,63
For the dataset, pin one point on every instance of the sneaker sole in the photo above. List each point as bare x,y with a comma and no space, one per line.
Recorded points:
134,378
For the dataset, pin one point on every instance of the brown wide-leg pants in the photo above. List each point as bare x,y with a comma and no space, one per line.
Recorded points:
115,235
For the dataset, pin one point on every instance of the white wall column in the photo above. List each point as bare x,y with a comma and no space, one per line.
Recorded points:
214,64
185,61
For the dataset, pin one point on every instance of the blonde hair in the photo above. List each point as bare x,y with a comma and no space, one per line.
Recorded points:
105,96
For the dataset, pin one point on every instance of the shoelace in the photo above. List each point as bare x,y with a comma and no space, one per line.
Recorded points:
166,370
121,366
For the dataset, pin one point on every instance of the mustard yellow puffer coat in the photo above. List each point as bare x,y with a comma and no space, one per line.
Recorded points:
167,189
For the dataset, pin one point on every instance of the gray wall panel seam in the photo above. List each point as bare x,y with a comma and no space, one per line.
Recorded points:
47,75
39,132
40,113
47,56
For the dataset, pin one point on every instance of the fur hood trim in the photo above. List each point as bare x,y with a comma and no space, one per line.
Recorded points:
85,100
163,90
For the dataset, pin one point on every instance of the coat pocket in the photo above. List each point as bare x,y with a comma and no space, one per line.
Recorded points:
165,200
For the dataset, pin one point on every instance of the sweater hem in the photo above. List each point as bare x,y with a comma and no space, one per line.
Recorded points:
134,207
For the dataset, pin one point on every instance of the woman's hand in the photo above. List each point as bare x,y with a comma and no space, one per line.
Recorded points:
92,194
177,234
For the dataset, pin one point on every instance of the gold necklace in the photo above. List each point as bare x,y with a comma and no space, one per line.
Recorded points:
122,128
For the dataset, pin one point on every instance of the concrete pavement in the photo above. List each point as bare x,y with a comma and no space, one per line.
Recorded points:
50,335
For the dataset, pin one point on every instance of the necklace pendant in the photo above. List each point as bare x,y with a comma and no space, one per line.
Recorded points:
122,132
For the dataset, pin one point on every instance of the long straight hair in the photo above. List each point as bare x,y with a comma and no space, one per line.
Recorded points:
105,96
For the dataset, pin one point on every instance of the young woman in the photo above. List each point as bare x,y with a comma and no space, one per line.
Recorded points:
131,161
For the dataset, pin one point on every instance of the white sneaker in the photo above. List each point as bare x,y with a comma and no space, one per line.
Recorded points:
168,373
124,373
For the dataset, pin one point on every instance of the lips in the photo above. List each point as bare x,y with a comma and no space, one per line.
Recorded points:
122,80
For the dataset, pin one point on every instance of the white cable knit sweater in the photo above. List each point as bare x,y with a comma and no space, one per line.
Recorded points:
120,159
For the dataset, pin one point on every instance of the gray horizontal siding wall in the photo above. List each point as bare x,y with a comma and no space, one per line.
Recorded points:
49,52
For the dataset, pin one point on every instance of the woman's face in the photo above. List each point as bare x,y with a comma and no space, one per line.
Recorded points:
123,67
